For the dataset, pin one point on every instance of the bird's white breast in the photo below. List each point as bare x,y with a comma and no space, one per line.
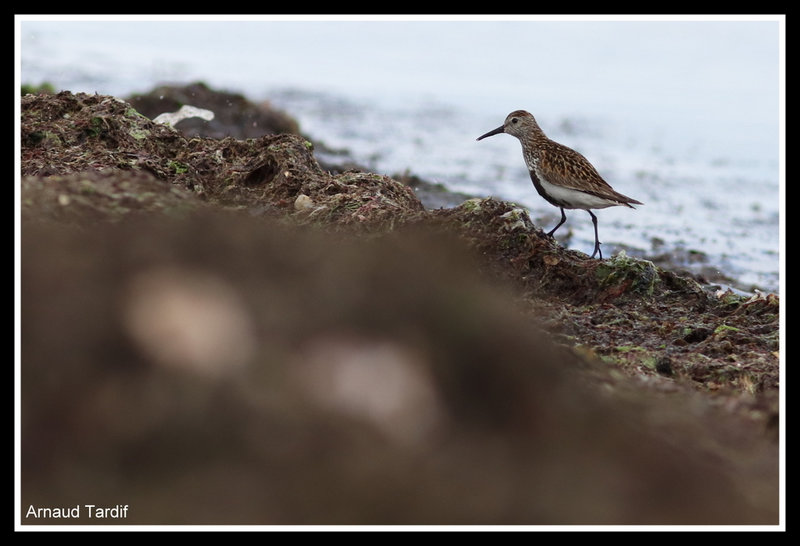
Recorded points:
575,199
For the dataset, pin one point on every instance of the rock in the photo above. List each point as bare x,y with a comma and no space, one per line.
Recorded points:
234,115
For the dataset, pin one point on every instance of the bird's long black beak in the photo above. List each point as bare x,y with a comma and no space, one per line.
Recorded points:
490,133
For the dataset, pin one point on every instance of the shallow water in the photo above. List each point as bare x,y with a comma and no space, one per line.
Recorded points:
683,116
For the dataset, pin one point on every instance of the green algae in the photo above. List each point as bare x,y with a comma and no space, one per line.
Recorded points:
635,275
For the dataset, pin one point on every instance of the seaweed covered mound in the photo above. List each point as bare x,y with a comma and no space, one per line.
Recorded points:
220,331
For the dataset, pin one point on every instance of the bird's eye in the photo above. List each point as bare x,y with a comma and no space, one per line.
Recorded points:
514,120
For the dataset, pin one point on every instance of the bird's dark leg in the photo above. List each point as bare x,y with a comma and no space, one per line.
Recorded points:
563,219
596,238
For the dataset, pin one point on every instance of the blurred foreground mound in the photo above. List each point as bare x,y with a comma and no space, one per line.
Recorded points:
230,370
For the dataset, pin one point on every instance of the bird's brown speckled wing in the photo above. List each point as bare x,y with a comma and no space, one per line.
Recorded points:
564,166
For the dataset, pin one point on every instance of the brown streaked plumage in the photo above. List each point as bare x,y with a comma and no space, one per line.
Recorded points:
561,175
